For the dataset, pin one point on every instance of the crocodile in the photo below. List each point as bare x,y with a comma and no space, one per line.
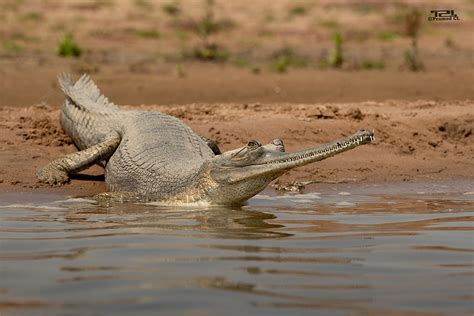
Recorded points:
156,156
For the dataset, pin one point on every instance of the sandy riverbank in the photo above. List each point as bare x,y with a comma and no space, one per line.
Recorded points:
415,141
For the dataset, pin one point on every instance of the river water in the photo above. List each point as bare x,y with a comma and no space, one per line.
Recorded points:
393,250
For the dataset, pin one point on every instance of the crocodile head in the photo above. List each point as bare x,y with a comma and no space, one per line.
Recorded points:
241,173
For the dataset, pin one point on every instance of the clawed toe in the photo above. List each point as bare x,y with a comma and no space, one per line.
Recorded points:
52,177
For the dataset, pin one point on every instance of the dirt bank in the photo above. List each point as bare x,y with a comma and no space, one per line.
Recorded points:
415,141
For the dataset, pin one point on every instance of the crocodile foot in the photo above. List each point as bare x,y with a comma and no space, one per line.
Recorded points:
52,176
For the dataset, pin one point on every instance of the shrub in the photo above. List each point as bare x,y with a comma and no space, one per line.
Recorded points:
370,64
286,58
412,20
151,34
298,10
171,8
210,52
337,58
68,47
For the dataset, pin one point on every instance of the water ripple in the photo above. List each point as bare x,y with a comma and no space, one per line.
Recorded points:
340,253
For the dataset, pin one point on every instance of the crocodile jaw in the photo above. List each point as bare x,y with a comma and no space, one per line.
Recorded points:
224,184
273,167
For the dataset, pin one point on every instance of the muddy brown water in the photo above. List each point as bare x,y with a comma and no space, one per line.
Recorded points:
380,249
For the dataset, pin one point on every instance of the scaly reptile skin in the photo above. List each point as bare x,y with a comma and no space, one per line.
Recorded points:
155,156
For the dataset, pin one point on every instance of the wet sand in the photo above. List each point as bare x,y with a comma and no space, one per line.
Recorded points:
415,141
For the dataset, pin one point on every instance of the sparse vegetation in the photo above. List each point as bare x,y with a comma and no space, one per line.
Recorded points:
101,33
243,62
362,8
412,23
371,64
104,3
268,16
58,27
208,49
182,36
143,4
330,24
240,62
147,33
208,25
10,5
387,36
356,34
337,57
256,70
68,47
11,47
81,67
32,16
171,8
449,43
285,58
20,36
210,52
200,33
180,70
298,10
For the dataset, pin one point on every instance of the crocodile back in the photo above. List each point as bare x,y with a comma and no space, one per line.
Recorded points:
158,155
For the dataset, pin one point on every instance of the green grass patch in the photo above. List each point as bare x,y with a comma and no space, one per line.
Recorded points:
11,47
102,4
32,16
373,64
298,10
362,8
10,5
20,36
330,24
171,8
269,17
67,47
286,58
210,52
208,24
337,56
149,34
387,36
143,4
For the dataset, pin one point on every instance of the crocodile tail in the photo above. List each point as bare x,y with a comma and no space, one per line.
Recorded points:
84,94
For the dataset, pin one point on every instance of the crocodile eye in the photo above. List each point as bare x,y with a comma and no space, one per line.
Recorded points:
253,144
277,142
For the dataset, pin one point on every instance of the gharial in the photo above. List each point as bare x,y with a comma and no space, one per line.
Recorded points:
154,155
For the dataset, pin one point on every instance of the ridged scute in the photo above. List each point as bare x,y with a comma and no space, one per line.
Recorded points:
158,155
85,94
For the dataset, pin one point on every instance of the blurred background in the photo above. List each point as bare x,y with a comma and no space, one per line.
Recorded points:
243,51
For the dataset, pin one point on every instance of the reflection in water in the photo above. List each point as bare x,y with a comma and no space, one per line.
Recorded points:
337,254
212,221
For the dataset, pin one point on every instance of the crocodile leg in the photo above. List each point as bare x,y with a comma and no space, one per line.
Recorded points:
58,171
212,144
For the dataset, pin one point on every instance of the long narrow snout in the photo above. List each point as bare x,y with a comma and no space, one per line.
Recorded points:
277,165
304,157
